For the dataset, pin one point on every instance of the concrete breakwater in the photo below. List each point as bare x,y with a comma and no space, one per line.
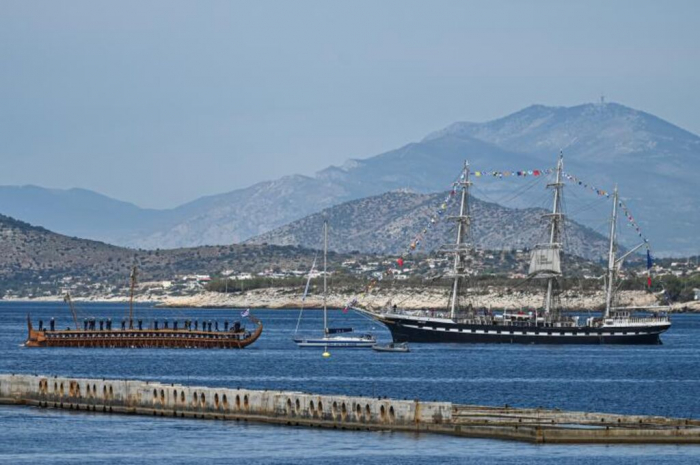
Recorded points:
341,412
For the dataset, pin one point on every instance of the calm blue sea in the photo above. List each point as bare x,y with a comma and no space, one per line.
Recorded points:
659,380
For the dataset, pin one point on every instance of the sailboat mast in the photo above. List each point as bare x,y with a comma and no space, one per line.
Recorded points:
611,257
463,220
555,229
325,275
134,272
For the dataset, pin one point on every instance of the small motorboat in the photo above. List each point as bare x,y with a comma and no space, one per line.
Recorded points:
392,347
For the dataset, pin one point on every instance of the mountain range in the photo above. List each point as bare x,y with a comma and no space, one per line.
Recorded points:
651,160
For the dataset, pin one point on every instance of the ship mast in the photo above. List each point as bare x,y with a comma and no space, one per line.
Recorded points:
325,275
69,301
134,274
463,223
611,258
556,218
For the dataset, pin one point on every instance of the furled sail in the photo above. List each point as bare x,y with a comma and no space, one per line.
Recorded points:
545,261
339,330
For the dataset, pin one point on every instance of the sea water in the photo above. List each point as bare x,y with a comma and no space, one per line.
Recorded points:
654,380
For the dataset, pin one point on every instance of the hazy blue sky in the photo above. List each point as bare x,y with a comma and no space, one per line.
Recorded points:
160,102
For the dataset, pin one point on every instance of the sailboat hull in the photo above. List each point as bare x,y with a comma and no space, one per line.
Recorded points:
408,330
338,343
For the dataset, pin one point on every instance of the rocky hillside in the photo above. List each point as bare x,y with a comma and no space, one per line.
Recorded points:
32,253
388,223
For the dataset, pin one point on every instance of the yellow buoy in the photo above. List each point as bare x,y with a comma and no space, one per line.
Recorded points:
326,354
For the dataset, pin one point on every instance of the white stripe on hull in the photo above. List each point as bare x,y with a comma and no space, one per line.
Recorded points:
543,333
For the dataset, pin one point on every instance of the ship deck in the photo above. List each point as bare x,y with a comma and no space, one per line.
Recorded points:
143,338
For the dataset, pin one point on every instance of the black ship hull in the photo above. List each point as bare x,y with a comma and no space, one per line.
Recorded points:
449,332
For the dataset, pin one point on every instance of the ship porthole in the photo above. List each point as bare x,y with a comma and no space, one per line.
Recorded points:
155,394
238,401
203,400
358,412
225,401
216,400
194,399
182,397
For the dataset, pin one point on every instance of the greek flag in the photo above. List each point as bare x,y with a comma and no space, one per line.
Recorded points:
245,313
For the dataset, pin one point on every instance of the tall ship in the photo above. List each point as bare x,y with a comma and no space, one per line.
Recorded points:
138,333
547,325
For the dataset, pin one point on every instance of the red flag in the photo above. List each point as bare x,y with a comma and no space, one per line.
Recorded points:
399,261
649,281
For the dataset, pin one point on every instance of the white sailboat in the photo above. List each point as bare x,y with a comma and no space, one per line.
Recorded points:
332,337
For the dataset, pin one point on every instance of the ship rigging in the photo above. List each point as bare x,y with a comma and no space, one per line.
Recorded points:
548,325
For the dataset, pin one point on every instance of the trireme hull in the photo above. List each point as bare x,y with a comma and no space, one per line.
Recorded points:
146,338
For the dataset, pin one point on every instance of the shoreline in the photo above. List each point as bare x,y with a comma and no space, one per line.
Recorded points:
408,298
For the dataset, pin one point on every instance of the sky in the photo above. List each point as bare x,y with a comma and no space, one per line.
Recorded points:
160,102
